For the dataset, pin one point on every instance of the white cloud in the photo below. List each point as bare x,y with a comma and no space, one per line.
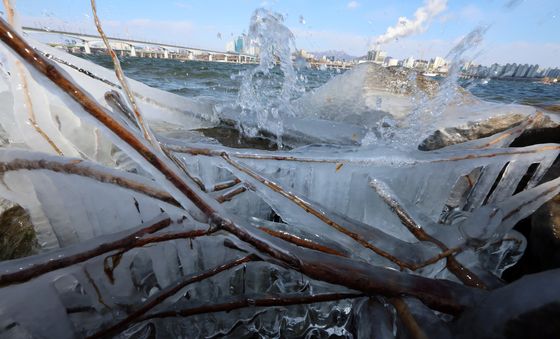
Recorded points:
422,18
353,5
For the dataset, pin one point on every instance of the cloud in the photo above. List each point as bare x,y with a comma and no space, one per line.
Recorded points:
422,18
353,5
182,5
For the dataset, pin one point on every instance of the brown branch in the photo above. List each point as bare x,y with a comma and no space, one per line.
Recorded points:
97,173
227,196
302,242
140,242
460,271
124,83
225,185
408,319
244,301
307,207
160,297
441,295
25,87
484,153
38,269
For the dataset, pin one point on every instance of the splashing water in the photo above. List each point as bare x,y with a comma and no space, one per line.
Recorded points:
266,90
426,109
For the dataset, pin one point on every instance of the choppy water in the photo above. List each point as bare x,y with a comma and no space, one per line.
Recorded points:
222,81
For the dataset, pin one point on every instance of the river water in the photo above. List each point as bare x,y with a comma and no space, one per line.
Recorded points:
221,81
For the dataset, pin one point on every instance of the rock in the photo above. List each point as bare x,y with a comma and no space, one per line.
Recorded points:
526,308
17,235
545,235
485,128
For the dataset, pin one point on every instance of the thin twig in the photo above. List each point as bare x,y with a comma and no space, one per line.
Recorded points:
53,264
408,319
244,301
227,196
98,173
302,242
25,87
124,83
160,297
481,154
308,207
460,271
225,185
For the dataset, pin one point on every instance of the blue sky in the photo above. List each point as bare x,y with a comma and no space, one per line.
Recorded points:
524,31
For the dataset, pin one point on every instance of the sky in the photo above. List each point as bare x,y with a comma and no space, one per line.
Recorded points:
521,31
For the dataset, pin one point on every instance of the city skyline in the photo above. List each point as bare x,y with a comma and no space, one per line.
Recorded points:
349,26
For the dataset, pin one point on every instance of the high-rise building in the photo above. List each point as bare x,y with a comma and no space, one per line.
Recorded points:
240,43
377,56
436,63
532,72
230,46
521,71
421,65
389,62
408,62
509,70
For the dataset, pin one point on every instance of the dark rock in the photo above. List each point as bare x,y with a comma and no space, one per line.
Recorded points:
17,235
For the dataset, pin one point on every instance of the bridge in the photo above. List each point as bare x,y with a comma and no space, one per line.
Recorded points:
89,43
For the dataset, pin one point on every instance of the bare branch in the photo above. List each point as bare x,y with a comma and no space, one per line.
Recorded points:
227,196
237,302
460,271
302,242
56,263
124,83
160,297
97,173
225,185
408,319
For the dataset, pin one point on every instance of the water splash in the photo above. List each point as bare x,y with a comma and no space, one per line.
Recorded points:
266,90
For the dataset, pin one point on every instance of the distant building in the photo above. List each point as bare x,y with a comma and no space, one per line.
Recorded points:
509,70
240,43
436,64
230,46
377,56
521,71
408,62
532,72
390,62
421,65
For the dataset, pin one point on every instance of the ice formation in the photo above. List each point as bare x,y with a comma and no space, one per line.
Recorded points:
138,240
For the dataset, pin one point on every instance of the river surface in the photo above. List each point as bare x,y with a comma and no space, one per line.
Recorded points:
221,81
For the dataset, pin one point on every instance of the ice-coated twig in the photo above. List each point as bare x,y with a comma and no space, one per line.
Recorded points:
258,300
302,242
355,233
124,83
54,262
460,271
465,154
82,168
408,319
25,87
227,196
160,297
225,185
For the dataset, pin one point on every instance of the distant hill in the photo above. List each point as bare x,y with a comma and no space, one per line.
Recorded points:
339,55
